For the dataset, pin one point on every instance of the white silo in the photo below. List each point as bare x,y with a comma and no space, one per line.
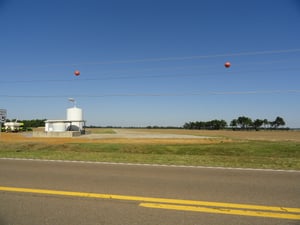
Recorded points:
75,118
74,114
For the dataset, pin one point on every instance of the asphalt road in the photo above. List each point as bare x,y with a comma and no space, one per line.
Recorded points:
31,193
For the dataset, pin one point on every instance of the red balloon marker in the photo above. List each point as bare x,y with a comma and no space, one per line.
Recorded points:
227,64
77,73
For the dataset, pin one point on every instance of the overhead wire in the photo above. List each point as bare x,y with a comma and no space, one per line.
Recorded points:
171,94
155,76
196,57
162,76
160,59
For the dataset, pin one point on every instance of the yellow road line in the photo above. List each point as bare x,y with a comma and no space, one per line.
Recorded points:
223,211
190,203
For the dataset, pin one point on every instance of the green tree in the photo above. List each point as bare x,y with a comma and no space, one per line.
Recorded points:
278,122
187,126
216,124
222,124
266,123
258,123
234,123
244,122
211,125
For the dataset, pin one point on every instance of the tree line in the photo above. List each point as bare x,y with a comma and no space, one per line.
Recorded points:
208,125
240,123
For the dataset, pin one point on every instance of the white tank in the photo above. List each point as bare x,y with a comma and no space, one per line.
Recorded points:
74,114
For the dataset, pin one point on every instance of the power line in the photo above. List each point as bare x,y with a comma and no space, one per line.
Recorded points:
155,76
161,59
255,92
195,57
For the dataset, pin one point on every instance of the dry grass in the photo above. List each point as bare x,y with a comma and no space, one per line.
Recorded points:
19,137
270,135
249,149
223,136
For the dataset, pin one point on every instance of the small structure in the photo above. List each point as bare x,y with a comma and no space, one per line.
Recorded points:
73,125
74,122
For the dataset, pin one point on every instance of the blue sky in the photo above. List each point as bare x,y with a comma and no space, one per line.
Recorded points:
151,62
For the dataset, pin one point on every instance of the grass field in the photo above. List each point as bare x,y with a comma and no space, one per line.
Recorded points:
246,149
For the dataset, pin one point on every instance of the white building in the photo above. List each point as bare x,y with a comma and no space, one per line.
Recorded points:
74,122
